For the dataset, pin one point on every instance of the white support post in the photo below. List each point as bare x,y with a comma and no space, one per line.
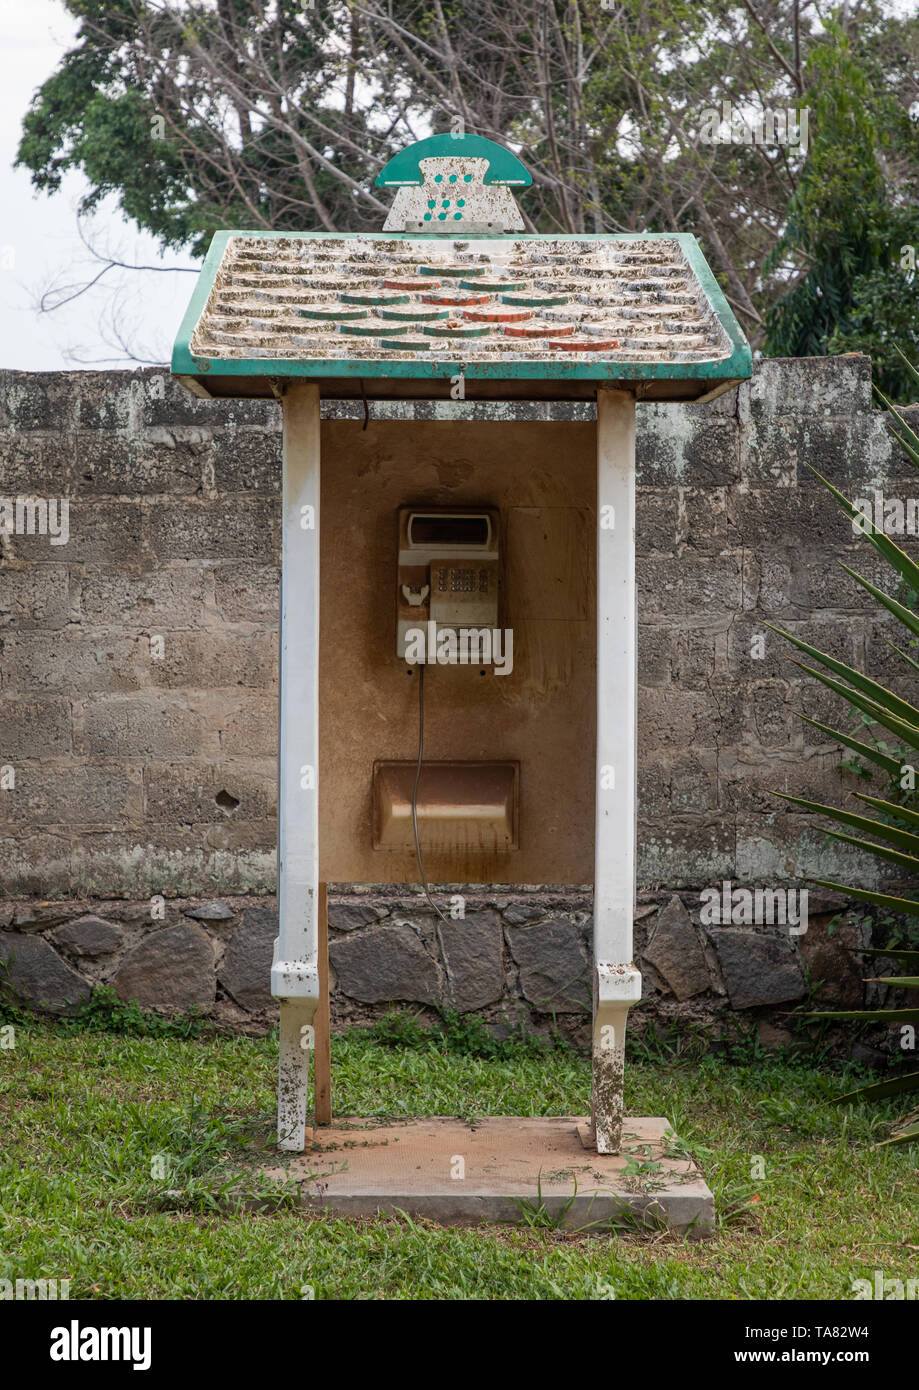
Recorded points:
616,982
295,974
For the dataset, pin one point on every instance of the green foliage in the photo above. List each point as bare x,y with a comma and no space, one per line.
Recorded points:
883,308
194,1144
10,1010
105,1012
660,1045
462,1035
144,105
895,819
537,1215
851,238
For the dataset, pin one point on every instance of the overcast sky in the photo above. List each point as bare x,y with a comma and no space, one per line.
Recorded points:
39,244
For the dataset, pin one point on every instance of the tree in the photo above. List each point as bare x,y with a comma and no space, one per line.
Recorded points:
201,117
849,235
209,113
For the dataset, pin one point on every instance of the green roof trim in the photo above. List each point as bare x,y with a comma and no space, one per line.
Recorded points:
735,366
404,168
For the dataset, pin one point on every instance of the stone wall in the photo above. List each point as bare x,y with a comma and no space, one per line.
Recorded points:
138,693
517,960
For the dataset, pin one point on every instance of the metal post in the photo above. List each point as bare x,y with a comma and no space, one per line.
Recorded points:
294,974
616,982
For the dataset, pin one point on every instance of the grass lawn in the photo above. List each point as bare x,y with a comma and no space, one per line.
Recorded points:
84,1113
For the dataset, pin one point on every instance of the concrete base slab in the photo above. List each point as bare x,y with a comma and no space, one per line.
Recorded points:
458,1173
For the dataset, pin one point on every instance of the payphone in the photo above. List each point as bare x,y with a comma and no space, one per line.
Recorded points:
448,574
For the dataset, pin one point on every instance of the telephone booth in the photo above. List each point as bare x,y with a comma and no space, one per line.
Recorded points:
458,614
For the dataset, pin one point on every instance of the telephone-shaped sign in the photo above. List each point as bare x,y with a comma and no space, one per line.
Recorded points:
454,183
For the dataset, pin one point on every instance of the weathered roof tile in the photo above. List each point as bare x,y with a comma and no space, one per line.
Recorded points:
636,296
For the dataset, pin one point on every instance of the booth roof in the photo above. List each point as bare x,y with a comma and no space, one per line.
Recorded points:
398,315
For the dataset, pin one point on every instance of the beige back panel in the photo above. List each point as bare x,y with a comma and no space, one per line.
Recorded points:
542,479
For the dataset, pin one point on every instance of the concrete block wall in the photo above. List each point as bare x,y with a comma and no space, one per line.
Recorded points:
138,661
139,772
